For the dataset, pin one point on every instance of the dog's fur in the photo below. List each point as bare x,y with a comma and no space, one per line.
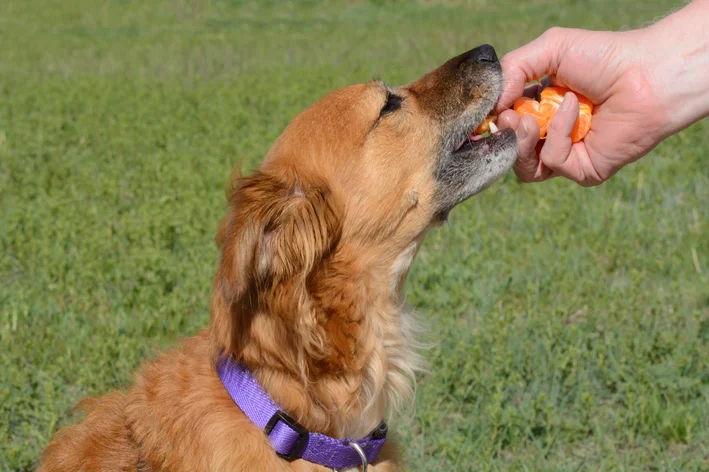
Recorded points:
315,248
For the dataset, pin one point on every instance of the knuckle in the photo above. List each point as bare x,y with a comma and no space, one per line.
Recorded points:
592,182
553,157
524,177
554,33
558,127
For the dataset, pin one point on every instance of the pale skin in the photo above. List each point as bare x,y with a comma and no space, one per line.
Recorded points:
645,85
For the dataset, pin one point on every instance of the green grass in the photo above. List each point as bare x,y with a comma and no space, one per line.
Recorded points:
573,324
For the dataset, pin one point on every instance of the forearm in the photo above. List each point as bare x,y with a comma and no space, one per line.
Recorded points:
677,63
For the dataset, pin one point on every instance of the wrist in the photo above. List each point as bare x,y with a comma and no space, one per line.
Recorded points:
675,58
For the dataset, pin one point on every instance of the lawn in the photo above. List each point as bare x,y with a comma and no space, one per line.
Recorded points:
572,324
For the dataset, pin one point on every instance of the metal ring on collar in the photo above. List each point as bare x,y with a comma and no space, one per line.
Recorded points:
362,456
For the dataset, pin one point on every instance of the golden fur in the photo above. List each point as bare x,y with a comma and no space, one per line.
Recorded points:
315,247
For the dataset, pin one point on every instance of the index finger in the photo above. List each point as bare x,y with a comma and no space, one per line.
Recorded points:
528,63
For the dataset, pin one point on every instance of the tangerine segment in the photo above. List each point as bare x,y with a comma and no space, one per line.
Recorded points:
484,127
529,106
551,98
556,95
581,128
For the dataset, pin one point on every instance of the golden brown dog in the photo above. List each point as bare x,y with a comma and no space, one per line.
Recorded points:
315,248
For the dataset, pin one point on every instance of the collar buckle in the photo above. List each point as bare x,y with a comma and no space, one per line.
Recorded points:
303,434
380,432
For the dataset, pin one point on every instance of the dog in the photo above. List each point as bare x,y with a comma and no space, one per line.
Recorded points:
307,299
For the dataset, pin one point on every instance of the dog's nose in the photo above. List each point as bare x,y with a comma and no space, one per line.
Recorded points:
484,53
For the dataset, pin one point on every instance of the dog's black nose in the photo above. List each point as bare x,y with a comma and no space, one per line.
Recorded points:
484,53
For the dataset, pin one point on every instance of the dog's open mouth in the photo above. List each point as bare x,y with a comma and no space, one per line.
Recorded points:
484,135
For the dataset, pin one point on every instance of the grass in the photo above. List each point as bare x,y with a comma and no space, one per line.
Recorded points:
573,323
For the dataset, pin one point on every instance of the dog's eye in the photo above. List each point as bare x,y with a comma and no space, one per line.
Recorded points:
393,103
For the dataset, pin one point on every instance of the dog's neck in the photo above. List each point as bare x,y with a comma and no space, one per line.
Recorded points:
347,359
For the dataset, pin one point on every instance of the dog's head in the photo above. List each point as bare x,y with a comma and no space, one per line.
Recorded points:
325,231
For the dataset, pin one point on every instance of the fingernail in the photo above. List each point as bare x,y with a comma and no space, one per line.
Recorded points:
566,104
523,130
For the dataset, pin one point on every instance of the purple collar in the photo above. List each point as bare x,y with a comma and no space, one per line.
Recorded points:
290,440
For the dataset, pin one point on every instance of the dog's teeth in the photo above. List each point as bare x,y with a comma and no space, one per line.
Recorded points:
493,128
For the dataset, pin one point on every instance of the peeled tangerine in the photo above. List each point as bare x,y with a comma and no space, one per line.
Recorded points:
543,111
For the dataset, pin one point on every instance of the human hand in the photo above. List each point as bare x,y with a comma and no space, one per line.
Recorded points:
628,121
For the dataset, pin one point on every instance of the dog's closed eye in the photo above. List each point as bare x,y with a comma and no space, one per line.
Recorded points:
392,104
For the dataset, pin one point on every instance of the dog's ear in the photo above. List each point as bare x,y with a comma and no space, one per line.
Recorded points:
276,232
